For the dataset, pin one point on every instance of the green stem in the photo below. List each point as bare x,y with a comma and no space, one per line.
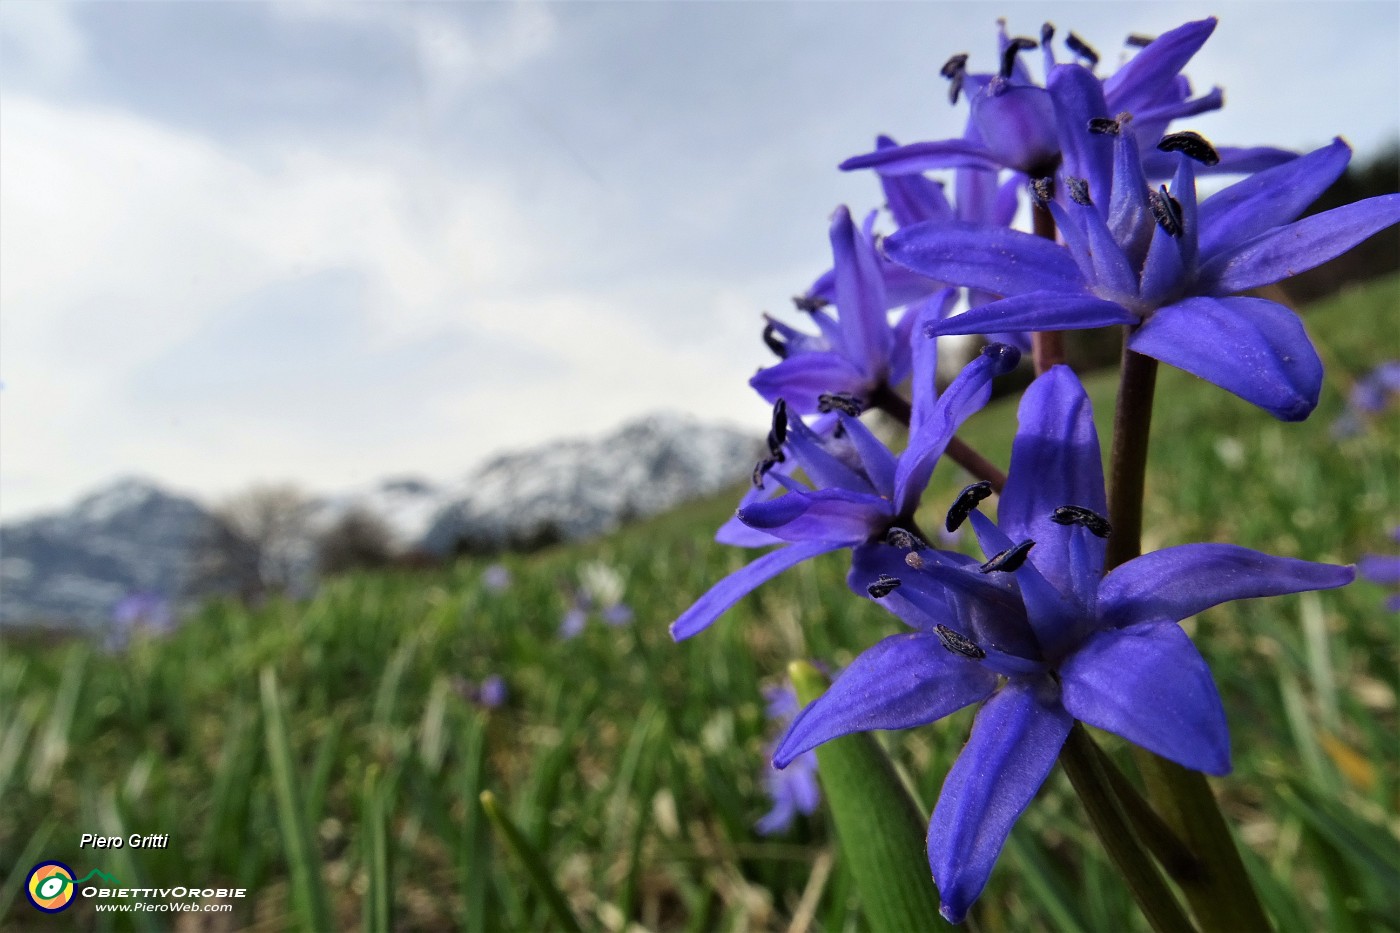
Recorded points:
1082,762
1216,883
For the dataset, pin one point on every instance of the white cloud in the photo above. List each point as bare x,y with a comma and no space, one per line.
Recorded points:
458,46
40,38
125,242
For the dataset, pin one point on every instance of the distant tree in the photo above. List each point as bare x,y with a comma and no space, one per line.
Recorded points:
275,519
225,563
357,540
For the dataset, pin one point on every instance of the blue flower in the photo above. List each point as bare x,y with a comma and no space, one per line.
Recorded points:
1016,124
856,356
1154,260
793,789
862,490
1040,637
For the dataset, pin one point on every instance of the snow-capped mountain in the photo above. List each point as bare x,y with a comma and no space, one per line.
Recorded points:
76,566
577,488
129,537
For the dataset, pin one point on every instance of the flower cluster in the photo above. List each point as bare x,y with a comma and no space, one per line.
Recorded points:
1045,631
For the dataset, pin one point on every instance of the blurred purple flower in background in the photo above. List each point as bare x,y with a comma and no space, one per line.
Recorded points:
491,693
496,578
1371,395
1384,570
793,789
145,612
600,590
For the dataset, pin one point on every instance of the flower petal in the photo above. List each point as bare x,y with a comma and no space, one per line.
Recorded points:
1139,83
743,581
860,296
825,515
1078,97
825,469
1269,198
1015,740
920,157
1177,582
1249,346
904,681
1150,685
929,437
1299,246
1037,311
875,458
912,199
802,378
1007,262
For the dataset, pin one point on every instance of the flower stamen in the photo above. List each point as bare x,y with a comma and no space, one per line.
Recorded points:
959,643
1010,559
1088,518
966,501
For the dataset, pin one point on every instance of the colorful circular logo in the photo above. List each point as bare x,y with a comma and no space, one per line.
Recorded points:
50,887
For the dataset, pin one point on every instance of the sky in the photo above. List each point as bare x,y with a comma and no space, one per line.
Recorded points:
330,242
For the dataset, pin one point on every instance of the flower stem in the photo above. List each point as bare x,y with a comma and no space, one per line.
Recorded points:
1047,347
1216,883
1081,761
1132,425
959,451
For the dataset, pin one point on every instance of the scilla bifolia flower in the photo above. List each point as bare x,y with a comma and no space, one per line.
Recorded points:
1014,123
1155,260
862,490
1040,637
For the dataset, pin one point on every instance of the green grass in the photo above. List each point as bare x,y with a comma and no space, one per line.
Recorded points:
318,754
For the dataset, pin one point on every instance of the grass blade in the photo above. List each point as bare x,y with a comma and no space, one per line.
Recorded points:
308,890
531,861
880,827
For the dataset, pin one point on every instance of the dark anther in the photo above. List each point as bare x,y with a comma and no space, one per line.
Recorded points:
1166,210
808,303
955,69
1043,188
1192,144
1081,48
1010,559
761,468
1013,48
1138,40
965,502
839,401
1047,32
770,337
959,643
1105,126
883,586
777,434
1079,191
955,65
1078,515
904,540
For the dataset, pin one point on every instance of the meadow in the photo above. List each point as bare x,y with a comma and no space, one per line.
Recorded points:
325,755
